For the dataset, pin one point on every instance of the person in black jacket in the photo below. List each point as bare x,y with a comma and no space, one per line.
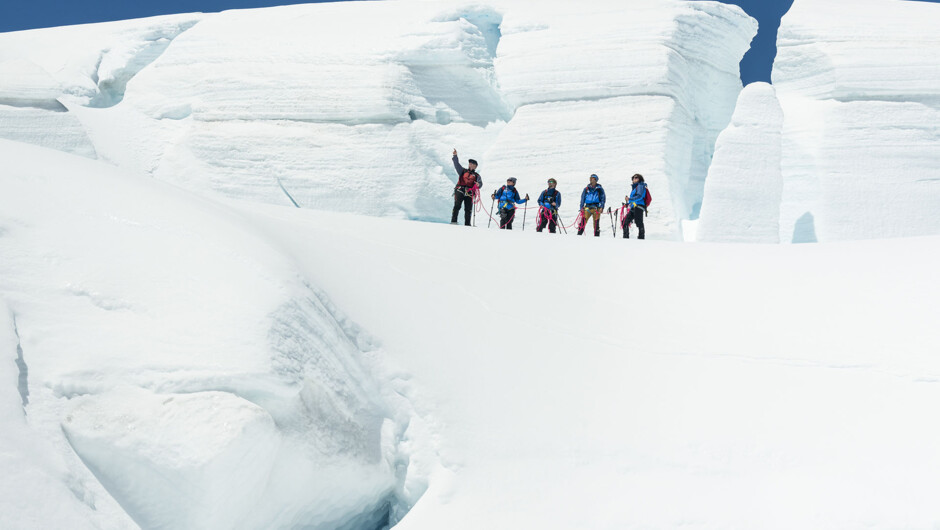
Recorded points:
549,202
467,182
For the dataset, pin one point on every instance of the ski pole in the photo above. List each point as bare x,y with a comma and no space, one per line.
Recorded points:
491,213
611,214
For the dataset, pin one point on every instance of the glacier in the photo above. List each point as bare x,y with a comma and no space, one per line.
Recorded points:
356,106
185,361
187,349
860,136
745,182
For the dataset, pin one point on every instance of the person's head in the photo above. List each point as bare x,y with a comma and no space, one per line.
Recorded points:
511,181
472,164
594,180
637,178
552,183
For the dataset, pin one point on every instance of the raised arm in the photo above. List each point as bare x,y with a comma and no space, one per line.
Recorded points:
460,169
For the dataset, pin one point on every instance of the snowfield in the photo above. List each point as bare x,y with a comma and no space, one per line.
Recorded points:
509,379
186,349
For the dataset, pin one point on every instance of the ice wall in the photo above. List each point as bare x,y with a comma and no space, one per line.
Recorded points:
616,91
859,84
182,372
356,106
744,186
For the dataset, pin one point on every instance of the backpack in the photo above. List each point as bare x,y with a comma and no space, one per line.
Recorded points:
648,200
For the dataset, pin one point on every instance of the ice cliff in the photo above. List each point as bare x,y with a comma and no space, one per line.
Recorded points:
357,106
859,86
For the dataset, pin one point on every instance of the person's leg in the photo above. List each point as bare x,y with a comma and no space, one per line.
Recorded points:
540,224
552,222
502,219
583,222
458,200
467,209
597,222
510,218
626,224
638,219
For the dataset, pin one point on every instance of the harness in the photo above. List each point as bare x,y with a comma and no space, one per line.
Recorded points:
505,203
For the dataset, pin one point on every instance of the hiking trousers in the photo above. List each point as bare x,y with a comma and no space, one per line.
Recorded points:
634,215
591,211
462,196
506,215
549,218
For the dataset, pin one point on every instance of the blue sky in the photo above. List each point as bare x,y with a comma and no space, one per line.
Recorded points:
28,14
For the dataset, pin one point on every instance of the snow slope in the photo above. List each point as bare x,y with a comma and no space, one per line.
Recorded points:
356,106
205,363
602,383
199,378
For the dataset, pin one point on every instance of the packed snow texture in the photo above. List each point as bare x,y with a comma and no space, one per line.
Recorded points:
181,355
744,185
859,84
602,383
356,106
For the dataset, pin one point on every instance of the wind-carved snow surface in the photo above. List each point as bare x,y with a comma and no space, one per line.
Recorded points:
744,186
200,380
44,72
357,106
860,92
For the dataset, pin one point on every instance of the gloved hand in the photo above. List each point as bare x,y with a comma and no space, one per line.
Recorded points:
632,205
493,196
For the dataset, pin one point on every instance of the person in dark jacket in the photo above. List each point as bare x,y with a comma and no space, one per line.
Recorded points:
593,200
549,202
636,202
467,182
508,198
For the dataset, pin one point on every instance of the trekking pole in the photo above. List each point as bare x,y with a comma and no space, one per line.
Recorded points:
525,211
611,214
559,222
491,213
475,199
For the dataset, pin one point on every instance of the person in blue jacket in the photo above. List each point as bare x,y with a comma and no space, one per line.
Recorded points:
508,198
636,201
593,200
549,202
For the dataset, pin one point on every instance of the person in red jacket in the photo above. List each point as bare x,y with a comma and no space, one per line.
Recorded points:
468,180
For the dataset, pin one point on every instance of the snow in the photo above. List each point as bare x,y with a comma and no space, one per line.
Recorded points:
356,106
744,186
599,383
860,96
244,385
207,363
187,349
